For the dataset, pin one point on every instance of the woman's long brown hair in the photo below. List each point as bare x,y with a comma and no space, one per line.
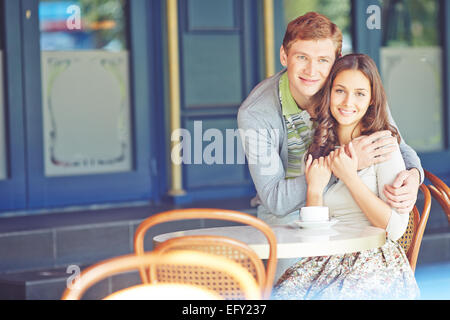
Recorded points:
376,118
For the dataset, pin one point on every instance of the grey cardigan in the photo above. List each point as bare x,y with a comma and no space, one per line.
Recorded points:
261,123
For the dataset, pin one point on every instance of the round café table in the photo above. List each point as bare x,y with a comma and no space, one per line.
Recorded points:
296,242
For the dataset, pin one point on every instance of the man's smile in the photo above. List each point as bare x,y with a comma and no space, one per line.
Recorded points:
308,81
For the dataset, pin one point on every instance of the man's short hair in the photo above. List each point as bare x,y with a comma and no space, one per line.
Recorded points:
313,26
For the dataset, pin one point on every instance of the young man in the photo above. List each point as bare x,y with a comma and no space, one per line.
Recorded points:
276,128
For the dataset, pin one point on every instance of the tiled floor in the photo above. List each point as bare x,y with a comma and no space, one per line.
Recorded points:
434,281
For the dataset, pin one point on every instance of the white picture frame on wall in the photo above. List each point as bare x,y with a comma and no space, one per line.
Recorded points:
86,112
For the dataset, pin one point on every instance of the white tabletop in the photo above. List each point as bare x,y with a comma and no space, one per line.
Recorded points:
295,242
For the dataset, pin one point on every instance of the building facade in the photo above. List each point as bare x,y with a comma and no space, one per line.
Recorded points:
109,102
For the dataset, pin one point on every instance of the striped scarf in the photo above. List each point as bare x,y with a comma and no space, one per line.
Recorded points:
299,130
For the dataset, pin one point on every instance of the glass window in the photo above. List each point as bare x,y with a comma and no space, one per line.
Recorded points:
411,64
83,25
338,11
85,87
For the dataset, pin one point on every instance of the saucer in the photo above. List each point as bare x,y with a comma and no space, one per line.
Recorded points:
316,224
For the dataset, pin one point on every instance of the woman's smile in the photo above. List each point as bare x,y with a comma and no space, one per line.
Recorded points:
346,112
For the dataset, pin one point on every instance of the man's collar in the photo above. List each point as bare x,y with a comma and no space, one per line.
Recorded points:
288,104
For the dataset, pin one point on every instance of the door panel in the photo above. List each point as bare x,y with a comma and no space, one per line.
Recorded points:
13,194
212,76
219,67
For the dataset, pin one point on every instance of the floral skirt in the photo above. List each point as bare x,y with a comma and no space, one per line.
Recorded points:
381,273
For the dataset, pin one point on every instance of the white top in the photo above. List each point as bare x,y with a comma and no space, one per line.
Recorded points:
344,208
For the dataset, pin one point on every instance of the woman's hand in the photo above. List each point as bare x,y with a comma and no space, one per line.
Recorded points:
344,162
317,173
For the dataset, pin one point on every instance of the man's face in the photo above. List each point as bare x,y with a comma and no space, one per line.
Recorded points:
308,64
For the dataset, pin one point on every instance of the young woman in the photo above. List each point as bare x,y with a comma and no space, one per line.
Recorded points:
351,104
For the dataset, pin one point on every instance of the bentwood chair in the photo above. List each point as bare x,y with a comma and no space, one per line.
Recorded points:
196,275
412,238
440,191
230,248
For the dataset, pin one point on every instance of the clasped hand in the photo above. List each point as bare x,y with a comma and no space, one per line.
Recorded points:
342,162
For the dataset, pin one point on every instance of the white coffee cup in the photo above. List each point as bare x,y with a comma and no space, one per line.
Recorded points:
314,214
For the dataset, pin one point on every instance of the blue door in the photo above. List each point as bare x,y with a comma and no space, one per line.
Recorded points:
12,135
82,130
220,61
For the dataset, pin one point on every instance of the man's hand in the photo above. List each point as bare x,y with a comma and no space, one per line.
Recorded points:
374,148
402,194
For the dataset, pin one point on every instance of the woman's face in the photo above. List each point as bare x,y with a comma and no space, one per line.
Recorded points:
350,97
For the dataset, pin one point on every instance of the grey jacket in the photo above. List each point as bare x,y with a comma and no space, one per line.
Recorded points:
264,137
